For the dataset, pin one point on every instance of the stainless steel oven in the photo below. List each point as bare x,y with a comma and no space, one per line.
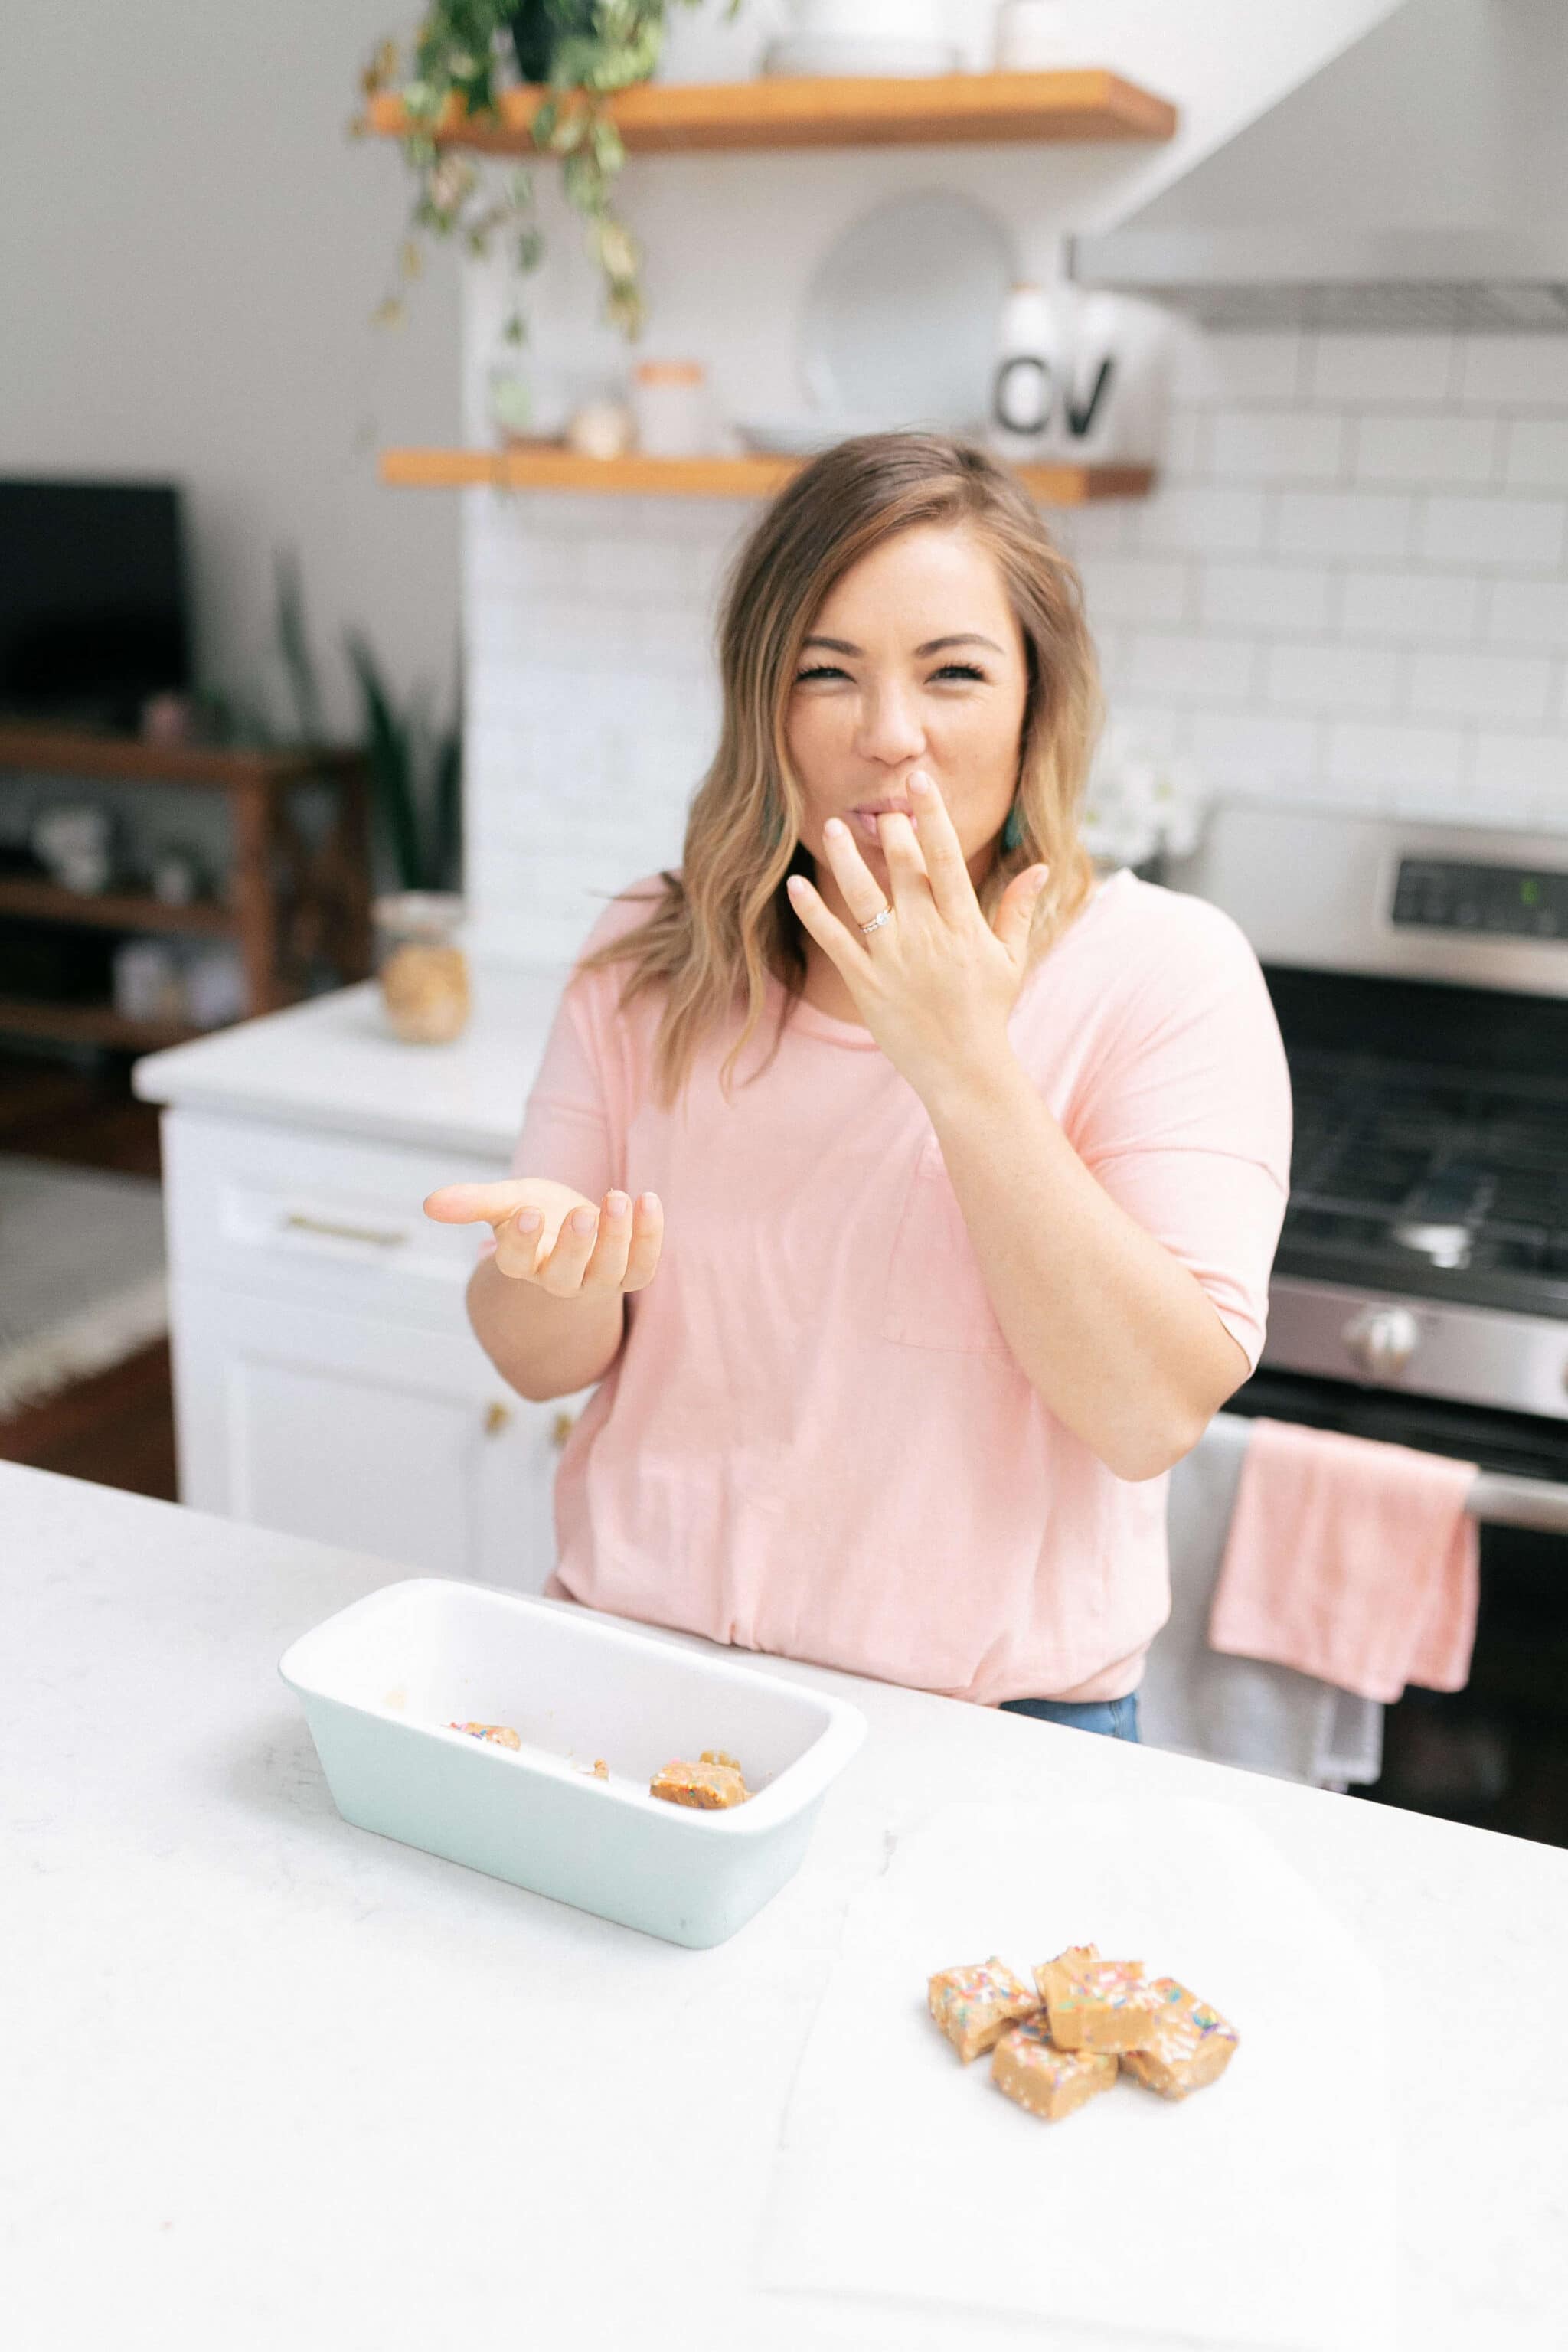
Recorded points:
1420,1290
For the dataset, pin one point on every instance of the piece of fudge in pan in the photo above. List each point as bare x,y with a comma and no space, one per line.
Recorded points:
974,2005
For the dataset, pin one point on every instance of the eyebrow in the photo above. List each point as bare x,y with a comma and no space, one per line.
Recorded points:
932,645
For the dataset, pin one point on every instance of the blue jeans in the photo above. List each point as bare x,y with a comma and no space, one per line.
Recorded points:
1116,1718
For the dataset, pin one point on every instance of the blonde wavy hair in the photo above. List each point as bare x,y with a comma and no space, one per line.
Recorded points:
724,923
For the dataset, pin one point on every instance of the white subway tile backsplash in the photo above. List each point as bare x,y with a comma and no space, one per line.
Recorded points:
1370,369
1200,519
1351,589
1331,678
1246,748
1139,588
1529,532
1534,765
1536,453
1410,607
1426,450
1187,668
1509,686
1529,613
1515,372
1185,455
1270,599
1260,445
1391,755
1219,370
1353,525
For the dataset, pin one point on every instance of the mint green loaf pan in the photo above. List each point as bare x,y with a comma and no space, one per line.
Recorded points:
381,1681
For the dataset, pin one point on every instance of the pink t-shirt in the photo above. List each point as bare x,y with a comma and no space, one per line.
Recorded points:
816,1440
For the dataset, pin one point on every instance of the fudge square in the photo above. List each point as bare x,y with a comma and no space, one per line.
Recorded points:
1095,2004
1049,2082
709,1787
974,2005
1192,2043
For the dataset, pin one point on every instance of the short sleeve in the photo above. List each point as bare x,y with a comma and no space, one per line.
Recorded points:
1186,1121
569,1129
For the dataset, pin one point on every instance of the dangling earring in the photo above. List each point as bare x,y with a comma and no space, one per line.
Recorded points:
1013,831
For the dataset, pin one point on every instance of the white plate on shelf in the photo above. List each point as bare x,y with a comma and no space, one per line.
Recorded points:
900,319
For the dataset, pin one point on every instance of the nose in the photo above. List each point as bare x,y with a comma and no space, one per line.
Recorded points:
888,730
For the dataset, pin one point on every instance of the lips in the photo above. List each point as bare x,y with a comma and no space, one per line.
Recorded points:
864,818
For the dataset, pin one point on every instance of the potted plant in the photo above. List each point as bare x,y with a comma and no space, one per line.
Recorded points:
581,52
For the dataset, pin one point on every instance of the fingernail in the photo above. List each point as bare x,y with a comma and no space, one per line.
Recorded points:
1041,876
583,1221
919,782
648,1201
617,1204
529,1221
835,826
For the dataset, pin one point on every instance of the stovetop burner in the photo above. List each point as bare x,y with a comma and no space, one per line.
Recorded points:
1426,1180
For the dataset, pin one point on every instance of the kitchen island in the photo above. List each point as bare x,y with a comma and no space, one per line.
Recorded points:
269,2079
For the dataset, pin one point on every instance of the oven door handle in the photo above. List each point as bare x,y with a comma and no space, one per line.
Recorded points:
1519,1503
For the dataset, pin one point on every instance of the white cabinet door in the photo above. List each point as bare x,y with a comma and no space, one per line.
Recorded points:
382,1437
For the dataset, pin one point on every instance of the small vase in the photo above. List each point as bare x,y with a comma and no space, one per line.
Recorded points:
423,972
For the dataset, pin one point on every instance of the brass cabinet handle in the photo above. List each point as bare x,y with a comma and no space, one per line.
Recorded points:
496,1417
296,1221
561,1428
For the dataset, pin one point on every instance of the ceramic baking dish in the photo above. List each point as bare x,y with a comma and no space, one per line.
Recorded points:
382,1679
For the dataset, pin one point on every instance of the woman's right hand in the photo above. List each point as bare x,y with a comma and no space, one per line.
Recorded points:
550,1235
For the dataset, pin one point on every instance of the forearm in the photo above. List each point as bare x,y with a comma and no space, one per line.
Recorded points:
1121,1342
543,1345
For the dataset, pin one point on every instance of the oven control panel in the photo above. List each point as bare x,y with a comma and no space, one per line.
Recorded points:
1520,902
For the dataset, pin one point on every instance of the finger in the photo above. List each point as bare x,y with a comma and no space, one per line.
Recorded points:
863,894
519,1240
826,930
471,1205
946,869
906,862
607,1263
647,1239
561,1271
1017,910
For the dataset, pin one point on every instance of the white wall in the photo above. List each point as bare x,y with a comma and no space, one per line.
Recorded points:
190,251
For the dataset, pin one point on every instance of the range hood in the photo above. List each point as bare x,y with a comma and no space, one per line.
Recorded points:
1418,183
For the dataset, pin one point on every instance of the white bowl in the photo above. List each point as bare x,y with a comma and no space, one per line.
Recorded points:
382,1679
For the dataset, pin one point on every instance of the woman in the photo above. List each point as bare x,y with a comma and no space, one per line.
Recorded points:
974,1172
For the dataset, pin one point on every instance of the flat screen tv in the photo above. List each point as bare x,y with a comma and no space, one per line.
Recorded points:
93,612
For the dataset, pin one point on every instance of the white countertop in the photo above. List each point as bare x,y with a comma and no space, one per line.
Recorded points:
269,2079
333,1062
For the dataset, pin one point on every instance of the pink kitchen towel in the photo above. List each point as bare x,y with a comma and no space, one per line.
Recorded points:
1350,1560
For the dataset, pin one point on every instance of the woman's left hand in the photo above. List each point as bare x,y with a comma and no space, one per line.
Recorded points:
935,984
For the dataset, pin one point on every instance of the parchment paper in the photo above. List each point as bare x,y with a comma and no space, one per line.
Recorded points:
1257,2212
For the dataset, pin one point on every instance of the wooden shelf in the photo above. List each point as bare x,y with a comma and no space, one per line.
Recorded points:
88,1024
122,911
297,897
79,752
548,466
942,109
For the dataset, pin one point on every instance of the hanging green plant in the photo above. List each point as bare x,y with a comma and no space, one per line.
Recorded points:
581,52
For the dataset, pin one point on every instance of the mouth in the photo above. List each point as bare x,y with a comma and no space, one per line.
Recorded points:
864,818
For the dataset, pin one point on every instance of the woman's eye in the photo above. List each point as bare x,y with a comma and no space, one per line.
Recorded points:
948,669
